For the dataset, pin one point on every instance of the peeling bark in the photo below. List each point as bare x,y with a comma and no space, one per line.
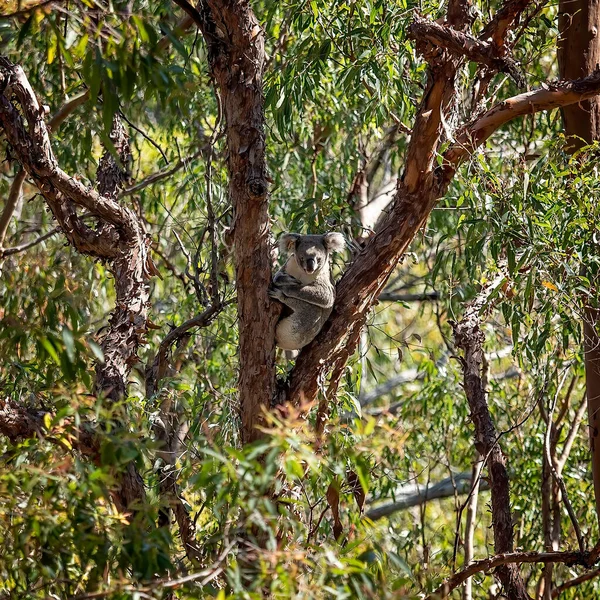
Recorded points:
417,194
119,238
235,42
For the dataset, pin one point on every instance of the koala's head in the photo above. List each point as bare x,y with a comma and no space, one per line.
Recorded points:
311,251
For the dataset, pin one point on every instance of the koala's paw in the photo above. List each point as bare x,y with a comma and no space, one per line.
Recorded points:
284,279
275,294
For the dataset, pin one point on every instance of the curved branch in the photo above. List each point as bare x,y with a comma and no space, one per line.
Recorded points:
17,184
510,558
463,44
548,97
34,151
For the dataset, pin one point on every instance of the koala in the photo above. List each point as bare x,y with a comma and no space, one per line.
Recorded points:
305,287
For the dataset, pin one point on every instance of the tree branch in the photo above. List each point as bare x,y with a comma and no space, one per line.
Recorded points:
17,184
408,496
469,338
236,54
559,589
18,422
509,558
503,20
33,150
120,237
463,44
26,246
68,107
14,196
548,97
162,174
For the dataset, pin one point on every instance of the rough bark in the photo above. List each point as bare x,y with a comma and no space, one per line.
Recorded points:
119,238
586,559
469,338
127,325
364,280
16,189
18,422
236,53
421,185
578,56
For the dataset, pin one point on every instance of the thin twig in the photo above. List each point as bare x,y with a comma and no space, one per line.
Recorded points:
557,477
145,136
559,589
23,247
162,174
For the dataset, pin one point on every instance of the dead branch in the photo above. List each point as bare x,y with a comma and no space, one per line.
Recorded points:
411,495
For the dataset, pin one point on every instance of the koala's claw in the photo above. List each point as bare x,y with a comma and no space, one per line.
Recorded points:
275,293
282,278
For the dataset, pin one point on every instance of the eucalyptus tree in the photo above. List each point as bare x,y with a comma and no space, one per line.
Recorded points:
180,136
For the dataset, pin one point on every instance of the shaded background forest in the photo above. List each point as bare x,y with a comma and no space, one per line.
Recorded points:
342,514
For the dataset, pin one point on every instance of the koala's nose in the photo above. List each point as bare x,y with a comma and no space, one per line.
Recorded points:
311,265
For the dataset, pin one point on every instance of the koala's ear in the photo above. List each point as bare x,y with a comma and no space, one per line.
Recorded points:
334,242
287,241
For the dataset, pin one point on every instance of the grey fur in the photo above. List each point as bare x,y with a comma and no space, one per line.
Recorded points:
305,286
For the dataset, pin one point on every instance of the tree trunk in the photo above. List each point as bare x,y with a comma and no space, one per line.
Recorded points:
119,238
469,338
236,53
578,56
